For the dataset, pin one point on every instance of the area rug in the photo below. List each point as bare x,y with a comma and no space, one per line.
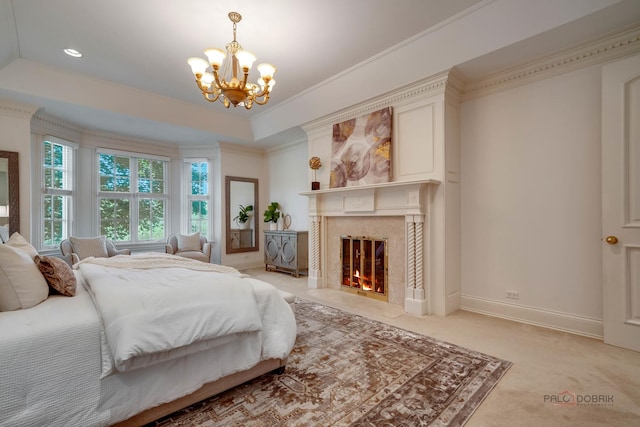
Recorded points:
347,370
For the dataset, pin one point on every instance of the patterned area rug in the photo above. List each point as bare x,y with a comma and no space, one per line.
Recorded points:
346,370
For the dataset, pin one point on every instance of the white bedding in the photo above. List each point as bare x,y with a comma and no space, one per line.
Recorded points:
152,315
51,363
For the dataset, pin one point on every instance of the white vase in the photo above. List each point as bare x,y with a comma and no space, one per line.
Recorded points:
273,226
280,224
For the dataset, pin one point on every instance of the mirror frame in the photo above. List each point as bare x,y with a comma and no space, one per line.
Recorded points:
228,181
13,178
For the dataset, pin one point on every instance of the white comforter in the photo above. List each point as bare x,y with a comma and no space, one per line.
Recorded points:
50,362
158,307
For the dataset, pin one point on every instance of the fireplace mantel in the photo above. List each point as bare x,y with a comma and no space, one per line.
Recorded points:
408,199
395,184
385,199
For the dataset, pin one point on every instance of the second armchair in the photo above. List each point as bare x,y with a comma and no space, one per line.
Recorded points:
194,246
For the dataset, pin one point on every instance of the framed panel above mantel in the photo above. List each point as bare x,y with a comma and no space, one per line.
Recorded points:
384,199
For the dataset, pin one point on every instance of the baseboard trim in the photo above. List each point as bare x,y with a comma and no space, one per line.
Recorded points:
580,325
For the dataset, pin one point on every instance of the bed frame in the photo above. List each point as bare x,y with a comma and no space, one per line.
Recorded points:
207,390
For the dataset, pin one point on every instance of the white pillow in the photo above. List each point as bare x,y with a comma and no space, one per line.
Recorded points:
17,241
90,246
21,283
189,242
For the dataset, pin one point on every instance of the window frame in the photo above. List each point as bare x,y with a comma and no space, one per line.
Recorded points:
70,192
134,196
190,198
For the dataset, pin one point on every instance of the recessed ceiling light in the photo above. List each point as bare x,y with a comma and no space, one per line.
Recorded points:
73,52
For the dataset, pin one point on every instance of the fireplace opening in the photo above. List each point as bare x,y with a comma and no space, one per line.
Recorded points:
364,266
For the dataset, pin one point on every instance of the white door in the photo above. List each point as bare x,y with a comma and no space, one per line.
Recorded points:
621,202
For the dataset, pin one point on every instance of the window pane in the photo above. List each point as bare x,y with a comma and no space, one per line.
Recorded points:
122,166
58,207
144,185
114,219
123,184
199,216
107,164
107,183
151,219
56,214
55,170
144,169
157,169
114,173
199,178
157,187
150,176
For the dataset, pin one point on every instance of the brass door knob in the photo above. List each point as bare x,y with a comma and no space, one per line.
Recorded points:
612,240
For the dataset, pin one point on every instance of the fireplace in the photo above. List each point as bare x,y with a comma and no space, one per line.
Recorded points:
364,263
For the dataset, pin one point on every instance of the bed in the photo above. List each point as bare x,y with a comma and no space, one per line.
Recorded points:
75,361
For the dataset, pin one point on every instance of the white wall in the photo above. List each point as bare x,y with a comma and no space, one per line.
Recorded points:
531,200
246,163
15,128
289,174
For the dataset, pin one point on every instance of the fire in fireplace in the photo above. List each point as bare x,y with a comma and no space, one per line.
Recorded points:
364,266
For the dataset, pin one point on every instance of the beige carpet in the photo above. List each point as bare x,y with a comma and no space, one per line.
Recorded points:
346,370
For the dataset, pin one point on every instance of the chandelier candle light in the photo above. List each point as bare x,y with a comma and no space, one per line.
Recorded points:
228,82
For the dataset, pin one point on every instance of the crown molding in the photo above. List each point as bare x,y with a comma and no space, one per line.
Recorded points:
99,139
288,146
45,124
603,50
434,85
226,147
16,109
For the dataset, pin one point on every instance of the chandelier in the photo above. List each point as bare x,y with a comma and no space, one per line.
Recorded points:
228,82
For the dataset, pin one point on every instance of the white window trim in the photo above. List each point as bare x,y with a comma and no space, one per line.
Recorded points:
134,196
37,176
186,206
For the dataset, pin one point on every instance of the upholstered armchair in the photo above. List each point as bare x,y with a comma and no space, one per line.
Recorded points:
194,246
74,249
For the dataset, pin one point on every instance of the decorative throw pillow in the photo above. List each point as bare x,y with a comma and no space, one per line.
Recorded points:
58,274
21,284
90,246
188,242
17,241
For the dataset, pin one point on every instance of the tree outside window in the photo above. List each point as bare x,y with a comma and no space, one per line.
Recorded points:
132,197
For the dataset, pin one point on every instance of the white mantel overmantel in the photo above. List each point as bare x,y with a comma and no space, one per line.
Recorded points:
424,188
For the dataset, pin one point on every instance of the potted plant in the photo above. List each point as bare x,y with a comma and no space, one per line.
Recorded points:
244,213
271,215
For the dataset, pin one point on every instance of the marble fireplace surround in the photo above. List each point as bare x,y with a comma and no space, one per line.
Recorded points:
395,210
